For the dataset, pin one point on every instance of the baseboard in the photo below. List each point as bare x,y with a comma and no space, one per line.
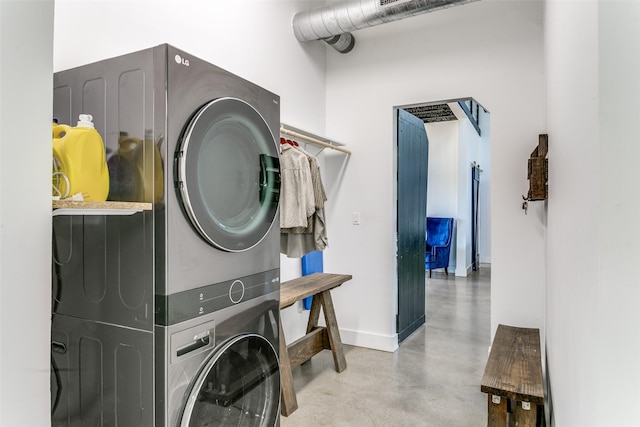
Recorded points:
463,272
368,340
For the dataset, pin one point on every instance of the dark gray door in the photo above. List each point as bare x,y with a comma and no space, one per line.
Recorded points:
475,195
413,154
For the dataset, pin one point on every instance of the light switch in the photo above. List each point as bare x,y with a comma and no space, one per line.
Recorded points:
355,218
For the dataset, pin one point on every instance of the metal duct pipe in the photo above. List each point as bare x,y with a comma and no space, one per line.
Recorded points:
342,43
333,23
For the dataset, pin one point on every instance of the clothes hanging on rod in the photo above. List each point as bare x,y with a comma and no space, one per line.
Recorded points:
310,233
296,195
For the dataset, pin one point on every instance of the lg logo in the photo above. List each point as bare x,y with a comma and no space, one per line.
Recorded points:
181,60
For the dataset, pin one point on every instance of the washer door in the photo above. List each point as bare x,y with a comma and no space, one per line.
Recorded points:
239,385
228,174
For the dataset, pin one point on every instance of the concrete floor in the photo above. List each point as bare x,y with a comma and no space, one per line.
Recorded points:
433,379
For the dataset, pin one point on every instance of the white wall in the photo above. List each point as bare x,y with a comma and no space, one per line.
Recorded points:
490,50
442,184
593,339
26,29
619,214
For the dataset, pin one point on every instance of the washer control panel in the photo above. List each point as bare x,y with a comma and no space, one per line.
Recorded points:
176,308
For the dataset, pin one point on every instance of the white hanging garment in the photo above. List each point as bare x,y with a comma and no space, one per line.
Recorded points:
296,194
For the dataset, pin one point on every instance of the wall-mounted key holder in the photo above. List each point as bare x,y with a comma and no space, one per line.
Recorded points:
538,172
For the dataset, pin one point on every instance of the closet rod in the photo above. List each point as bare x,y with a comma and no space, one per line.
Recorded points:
312,140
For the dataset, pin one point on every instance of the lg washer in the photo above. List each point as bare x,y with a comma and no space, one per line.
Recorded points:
212,371
199,144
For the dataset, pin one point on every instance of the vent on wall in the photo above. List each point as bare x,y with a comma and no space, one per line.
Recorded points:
433,113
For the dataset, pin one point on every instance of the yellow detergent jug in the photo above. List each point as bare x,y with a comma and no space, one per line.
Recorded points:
79,161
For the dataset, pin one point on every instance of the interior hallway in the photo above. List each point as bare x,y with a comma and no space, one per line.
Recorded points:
433,379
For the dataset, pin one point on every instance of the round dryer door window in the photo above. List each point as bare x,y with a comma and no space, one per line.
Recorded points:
229,174
239,385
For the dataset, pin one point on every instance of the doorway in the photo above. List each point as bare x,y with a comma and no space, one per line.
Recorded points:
458,135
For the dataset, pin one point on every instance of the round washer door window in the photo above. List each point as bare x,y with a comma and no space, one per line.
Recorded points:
228,174
239,385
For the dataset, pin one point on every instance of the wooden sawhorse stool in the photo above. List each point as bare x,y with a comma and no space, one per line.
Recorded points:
514,373
318,338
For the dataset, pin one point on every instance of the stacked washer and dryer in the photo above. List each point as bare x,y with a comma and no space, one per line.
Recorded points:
169,317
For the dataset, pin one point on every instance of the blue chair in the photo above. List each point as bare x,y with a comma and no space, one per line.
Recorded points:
438,236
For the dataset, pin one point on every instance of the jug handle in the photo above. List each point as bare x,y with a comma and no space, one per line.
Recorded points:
59,129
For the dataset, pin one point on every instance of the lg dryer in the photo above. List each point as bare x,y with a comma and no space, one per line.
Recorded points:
198,142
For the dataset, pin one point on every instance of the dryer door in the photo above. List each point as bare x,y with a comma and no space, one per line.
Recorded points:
228,174
239,385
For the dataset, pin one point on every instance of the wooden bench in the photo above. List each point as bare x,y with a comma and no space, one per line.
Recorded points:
317,338
513,378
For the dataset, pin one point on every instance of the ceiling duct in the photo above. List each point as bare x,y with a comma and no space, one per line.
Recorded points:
333,23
